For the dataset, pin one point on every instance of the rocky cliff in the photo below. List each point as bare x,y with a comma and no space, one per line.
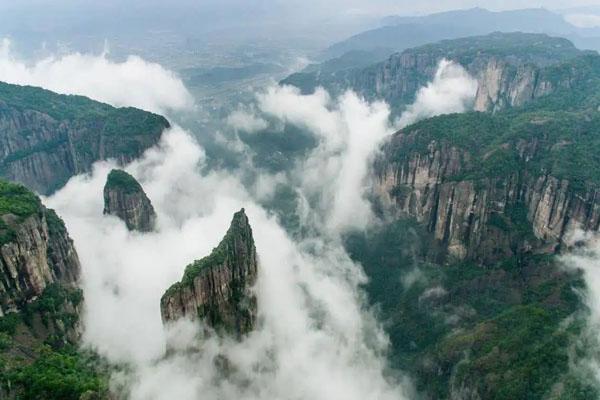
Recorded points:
46,138
510,68
35,249
40,306
125,198
218,288
497,189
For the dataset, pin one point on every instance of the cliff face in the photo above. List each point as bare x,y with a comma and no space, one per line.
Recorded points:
218,288
35,249
510,68
482,218
46,138
125,198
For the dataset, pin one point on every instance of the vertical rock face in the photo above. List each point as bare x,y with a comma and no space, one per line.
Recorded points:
485,219
217,288
125,198
35,249
511,69
46,138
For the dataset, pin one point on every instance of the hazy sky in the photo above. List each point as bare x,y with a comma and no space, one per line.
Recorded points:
317,7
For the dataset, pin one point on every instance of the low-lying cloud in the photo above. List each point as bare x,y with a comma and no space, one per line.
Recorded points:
316,339
334,176
452,90
247,121
133,82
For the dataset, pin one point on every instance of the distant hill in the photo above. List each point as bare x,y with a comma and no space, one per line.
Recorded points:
518,59
400,33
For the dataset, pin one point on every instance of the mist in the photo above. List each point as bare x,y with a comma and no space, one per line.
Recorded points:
316,337
133,82
452,90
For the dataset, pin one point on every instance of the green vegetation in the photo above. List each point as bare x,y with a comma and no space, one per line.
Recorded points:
277,150
59,375
17,200
77,128
238,232
52,307
39,361
68,107
527,47
121,180
16,204
508,330
553,136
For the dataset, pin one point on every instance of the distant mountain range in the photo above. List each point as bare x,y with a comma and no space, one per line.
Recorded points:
400,33
511,62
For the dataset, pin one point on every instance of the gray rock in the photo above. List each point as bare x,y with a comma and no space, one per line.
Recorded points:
125,198
217,288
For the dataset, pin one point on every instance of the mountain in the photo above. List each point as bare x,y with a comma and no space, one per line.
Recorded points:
400,33
35,249
511,69
40,304
125,198
217,288
46,138
537,20
464,270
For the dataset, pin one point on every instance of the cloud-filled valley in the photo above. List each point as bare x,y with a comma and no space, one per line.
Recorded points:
314,321
318,334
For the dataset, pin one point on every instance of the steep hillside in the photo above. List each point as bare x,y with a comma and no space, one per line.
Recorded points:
464,271
46,138
217,288
125,198
510,69
40,304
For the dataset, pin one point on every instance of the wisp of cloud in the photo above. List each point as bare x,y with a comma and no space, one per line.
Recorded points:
316,337
133,82
452,90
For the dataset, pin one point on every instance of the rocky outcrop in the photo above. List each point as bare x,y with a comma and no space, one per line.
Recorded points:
35,249
487,218
46,138
511,69
125,198
218,288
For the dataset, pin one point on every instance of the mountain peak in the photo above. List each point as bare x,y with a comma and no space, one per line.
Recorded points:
125,198
216,288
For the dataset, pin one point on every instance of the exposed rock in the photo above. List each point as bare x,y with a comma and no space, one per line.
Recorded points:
217,288
511,69
46,138
481,219
35,249
125,198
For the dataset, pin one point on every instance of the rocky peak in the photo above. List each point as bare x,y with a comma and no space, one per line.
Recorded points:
217,288
35,249
125,198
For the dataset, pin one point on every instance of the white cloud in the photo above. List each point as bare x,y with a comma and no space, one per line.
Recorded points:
247,121
452,90
333,177
587,260
133,82
316,341
583,20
